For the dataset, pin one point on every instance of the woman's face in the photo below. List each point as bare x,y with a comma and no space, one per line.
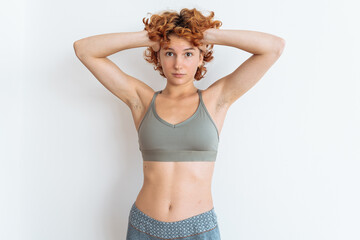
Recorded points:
180,57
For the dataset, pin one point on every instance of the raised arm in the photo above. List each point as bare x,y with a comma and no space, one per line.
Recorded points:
93,51
266,49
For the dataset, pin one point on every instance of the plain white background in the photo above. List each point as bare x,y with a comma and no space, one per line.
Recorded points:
288,160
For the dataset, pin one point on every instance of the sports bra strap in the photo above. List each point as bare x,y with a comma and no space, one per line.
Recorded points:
157,92
153,98
200,95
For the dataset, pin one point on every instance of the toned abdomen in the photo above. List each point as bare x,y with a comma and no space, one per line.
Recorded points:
173,191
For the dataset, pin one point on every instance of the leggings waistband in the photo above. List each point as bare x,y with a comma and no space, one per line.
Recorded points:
184,228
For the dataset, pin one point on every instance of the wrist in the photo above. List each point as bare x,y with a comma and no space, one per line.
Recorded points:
145,38
210,36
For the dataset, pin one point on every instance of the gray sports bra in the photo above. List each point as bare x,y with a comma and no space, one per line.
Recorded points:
195,139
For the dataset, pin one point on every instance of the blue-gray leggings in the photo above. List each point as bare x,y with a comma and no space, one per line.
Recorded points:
203,226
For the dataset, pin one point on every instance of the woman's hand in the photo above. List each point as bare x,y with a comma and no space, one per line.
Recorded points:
205,41
155,46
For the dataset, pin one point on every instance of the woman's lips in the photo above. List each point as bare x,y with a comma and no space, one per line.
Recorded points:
178,75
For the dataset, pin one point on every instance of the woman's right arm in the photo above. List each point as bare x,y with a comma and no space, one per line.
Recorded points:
107,44
93,51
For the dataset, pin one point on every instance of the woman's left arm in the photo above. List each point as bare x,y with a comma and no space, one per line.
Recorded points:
266,49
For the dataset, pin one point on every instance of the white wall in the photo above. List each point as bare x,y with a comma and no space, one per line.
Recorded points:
288,159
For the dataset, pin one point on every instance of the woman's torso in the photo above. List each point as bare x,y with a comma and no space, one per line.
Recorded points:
174,191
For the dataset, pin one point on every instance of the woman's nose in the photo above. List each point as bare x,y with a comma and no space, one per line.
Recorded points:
178,62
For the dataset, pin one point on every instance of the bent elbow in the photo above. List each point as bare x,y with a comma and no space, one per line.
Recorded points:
76,46
281,46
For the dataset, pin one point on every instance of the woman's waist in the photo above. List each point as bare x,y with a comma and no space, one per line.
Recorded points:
177,171
168,204
176,191
174,227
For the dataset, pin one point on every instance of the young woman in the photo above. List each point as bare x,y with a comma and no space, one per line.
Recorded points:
178,127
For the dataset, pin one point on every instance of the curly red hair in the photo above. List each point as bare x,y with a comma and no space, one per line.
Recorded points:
189,24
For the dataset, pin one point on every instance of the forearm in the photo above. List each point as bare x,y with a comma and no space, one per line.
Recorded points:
107,44
250,41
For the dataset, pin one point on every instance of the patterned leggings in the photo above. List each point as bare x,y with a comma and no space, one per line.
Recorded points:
203,226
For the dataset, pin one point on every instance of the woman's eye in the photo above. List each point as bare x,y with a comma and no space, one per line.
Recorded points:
189,53
167,54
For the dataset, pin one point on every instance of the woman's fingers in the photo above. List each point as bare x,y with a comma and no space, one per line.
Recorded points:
156,46
202,48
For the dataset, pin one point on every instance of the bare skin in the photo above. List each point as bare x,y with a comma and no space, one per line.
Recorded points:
174,191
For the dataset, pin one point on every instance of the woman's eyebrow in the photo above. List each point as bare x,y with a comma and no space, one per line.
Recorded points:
184,49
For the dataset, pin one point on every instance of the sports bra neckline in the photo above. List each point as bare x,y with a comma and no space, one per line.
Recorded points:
180,123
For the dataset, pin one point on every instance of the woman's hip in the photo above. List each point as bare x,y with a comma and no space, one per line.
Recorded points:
203,226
